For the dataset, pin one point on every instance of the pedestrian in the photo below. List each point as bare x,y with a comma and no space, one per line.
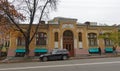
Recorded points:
99,50
114,50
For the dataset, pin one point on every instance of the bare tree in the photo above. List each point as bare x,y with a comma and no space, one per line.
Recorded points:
30,11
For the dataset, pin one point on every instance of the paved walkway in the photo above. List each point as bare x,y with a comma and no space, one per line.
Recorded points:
35,59
96,56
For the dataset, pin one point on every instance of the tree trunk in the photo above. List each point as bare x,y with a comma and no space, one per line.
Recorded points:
26,48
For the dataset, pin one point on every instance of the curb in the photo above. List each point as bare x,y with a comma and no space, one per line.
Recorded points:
92,57
72,58
18,61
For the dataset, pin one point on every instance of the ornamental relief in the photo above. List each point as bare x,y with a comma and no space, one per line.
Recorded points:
79,30
67,26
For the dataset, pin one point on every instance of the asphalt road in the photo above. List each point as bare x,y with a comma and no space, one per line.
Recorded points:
102,64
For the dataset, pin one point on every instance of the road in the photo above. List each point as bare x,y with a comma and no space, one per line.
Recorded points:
101,64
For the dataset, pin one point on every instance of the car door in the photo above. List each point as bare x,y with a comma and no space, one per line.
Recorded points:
52,57
58,54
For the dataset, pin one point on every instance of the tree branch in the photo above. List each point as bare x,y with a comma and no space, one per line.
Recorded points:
39,20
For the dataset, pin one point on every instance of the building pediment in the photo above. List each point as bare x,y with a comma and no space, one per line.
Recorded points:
62,20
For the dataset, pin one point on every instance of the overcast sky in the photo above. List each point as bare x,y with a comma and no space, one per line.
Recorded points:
101,11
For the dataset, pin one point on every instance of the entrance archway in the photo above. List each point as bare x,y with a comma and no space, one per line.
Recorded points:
68,41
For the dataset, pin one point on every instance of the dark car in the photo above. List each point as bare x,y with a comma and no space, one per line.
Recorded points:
56,54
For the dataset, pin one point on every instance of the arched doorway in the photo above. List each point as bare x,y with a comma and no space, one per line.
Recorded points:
68,41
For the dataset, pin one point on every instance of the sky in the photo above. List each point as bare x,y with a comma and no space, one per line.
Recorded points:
100,11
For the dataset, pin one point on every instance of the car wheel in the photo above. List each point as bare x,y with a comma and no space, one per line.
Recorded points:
44,59
64,57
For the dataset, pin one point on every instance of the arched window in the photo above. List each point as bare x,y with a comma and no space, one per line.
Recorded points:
20,41
107,41
41,38
80,36
92,37
56,36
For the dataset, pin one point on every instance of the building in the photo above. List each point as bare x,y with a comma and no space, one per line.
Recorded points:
64,33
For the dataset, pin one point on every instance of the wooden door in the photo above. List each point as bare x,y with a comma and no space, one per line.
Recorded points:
68,42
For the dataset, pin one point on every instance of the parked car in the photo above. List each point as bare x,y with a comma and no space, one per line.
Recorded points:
56,54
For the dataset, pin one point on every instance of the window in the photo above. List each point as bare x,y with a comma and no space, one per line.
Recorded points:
20,41
80,36
7,43
41,38
92,37
107,41
56,36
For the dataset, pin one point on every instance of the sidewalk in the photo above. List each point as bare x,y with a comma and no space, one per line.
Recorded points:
95,56
36,59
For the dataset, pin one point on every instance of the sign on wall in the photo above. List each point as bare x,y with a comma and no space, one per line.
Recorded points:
67,26
80,45
56,45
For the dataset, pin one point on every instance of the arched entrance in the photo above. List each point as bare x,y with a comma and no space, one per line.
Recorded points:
68,41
